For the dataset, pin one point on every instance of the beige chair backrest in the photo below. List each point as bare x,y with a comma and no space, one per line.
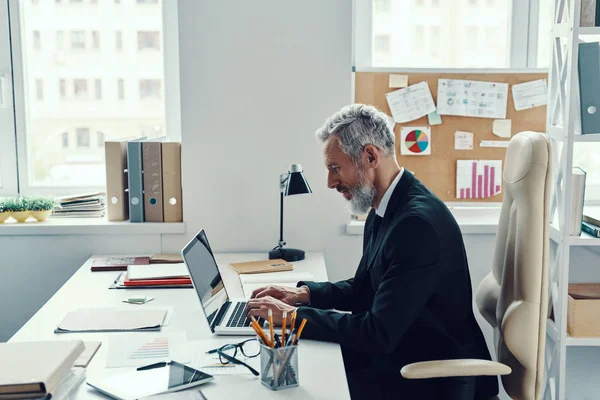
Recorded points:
513,298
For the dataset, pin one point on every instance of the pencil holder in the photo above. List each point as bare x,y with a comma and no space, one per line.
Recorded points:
279,367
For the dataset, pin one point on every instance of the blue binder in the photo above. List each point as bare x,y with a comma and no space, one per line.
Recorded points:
589,87
136,179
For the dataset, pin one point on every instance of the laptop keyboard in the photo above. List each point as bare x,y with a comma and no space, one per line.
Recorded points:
238,316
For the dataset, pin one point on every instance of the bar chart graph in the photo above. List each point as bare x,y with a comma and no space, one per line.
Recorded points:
478,179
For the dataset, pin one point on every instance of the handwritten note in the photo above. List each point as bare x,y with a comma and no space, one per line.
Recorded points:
472,98
463,140
502,128
530,94
410,103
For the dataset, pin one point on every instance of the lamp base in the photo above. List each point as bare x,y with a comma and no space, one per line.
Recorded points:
287,254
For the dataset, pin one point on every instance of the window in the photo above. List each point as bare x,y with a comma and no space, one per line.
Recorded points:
60,40
148,40
80,89
100,138
147,1
62,89
77,39
39,89
98,87
433,34
96,39
119,40
121,89
490,36
150,88
383,6
472,2
37,41
75,1
65,140
83,137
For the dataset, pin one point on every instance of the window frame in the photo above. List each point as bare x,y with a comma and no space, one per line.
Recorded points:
16,179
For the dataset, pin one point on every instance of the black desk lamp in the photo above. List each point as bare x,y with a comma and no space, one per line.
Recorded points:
290,183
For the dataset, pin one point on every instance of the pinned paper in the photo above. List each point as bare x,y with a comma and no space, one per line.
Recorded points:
398,81
478,179
415,141
410,103
494,143
434,118
472,98
463,140
502,127
530,94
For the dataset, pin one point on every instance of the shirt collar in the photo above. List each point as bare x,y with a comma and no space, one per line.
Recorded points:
380,211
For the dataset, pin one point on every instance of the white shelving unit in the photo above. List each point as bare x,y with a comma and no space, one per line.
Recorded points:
561,122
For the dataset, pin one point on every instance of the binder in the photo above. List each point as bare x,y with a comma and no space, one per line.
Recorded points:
171,170
116,180
589,87
577,200
153,187
136,185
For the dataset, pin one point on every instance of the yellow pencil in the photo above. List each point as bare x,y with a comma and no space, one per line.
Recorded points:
283,323
259,331
271,328
299,331
293,325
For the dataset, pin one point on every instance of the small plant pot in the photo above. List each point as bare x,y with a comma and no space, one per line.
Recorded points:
4,216
41,216
21,216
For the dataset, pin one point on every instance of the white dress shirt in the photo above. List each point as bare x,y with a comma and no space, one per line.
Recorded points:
388,195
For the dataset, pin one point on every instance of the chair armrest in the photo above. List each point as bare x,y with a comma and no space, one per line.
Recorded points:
449,368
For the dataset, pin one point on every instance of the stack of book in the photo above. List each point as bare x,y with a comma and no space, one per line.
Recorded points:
591,222
88,205
143,180
154,276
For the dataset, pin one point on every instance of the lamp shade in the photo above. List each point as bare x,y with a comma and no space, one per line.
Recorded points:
296,183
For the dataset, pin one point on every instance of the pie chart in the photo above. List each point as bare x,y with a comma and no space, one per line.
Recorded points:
417,141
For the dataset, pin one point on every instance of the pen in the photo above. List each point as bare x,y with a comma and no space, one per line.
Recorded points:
290,338
293,325
283,323
300,331
271,327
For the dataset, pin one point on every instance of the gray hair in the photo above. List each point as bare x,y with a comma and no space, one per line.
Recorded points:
358,125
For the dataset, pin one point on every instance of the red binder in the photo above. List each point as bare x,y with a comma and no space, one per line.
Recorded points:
158,282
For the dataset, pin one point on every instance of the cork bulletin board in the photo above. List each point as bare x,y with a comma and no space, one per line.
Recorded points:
438,170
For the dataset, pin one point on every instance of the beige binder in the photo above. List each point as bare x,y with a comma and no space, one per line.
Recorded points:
117,198
171,170
152,177
263,266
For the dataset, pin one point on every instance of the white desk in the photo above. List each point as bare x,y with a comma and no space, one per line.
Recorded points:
321,368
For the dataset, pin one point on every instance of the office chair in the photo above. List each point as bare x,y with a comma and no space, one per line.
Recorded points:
513,298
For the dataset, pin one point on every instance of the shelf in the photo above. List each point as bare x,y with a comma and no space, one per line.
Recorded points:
589,30
556,134
582,240
590,342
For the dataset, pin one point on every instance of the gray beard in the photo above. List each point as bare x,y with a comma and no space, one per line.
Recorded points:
362,198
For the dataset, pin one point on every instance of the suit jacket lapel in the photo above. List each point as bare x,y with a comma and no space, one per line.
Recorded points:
396,203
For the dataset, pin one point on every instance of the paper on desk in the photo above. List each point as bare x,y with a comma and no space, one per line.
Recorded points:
134,350
410,103
472,98
157,271
463,140
530,94
111,320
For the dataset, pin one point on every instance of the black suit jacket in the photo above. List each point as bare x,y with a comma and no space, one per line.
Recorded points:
411,297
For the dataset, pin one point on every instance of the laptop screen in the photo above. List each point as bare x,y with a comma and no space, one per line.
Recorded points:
205,275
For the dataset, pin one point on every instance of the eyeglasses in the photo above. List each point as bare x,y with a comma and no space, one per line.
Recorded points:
250,348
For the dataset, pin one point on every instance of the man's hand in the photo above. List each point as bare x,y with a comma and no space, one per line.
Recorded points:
287,295
260,308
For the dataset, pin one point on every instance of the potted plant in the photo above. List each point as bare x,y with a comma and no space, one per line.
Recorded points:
4,213
17,206
41,207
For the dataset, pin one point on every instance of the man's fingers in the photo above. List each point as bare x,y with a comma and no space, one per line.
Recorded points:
266,291
261,312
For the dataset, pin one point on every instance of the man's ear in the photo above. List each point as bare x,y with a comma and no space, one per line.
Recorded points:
371,156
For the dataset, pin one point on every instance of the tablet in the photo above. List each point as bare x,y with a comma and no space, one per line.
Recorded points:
150,380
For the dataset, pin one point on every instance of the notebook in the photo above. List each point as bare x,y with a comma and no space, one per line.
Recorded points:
165,258
111,320
119,283
157,271
257,267
287,279
34,369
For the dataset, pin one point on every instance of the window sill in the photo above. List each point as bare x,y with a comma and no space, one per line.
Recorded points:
88,226
472,220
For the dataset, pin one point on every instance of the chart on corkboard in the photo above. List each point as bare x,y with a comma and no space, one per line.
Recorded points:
432,153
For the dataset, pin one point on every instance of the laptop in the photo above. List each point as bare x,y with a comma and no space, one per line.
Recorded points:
225,316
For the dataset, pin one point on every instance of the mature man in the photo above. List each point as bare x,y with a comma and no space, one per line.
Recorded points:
410,299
